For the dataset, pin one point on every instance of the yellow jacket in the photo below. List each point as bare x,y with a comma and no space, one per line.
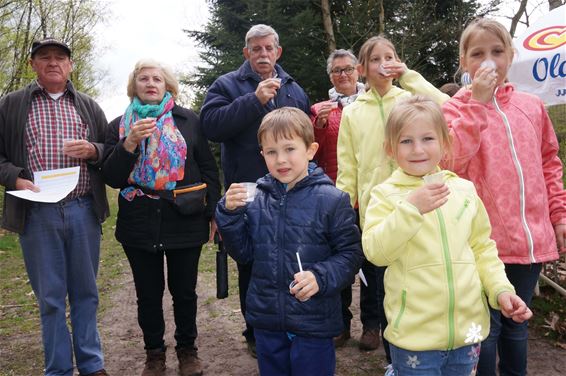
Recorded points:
440,265
362,162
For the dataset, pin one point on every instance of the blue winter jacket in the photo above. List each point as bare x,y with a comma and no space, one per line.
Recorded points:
231,114
315,219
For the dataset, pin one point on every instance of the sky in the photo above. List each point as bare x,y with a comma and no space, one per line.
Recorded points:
143,29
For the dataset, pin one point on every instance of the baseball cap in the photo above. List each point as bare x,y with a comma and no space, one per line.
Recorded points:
39,44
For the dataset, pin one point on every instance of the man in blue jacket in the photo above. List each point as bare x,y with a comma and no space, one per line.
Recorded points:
232,112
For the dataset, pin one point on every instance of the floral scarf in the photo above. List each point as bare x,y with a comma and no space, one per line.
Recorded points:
161,162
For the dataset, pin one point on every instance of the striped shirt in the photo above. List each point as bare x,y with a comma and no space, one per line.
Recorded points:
50,123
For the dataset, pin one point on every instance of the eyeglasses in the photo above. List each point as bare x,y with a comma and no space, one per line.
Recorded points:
338,71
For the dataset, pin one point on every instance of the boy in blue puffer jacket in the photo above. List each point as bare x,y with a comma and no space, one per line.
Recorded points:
300,231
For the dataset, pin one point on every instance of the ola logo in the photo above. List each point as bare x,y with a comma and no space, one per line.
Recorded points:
546,39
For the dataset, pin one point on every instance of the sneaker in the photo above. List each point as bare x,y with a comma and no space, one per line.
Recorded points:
251,348
389,371
369,340
154,363
189,362
341,339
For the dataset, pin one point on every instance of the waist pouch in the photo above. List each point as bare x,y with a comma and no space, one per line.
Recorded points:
188,200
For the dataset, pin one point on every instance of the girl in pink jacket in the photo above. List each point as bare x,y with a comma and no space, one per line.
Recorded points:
504,142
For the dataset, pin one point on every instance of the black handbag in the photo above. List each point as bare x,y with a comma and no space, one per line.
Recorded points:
190,199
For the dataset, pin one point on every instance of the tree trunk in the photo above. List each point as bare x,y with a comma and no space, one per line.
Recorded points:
381,25
327,22
517,17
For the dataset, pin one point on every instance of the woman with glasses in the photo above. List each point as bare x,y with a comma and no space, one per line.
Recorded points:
326,116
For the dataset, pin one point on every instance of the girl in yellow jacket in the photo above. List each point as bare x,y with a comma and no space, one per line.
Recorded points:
431,230
362,162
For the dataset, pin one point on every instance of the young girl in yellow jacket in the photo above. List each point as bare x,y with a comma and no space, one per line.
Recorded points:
431,230
362,162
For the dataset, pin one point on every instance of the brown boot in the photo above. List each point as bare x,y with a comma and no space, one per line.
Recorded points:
341,339
189,362
369,340
154,363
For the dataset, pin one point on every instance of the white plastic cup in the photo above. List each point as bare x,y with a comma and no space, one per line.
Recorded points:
437,178
383,71
488,64
251,189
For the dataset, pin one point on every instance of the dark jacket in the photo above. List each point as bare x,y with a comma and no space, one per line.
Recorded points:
231,114
313,218
14,108
155,224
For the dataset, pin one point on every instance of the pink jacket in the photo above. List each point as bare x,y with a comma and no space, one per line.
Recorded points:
327,138
508,148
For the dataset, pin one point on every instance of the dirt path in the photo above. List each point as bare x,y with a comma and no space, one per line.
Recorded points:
222,347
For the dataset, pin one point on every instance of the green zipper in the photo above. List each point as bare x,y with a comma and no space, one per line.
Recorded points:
462,209
450,276
403,301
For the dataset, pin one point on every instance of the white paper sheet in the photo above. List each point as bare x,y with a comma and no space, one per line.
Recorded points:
54,185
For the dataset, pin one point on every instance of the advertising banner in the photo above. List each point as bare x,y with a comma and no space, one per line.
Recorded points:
539,66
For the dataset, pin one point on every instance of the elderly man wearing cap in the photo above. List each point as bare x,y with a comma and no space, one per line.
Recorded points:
49,125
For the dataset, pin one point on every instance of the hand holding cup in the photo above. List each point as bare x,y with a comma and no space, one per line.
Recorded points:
80,149
432,195
139,131
240,194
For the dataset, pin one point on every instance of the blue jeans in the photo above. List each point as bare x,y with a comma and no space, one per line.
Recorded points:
457,362
281,354
61,247
506,337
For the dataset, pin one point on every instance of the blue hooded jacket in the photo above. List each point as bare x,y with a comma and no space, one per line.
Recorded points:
315,219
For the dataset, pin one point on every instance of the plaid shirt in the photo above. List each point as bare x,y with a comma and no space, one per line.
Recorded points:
50,122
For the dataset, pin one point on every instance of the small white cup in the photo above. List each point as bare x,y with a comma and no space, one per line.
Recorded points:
434,178
383,71
488,64
250,191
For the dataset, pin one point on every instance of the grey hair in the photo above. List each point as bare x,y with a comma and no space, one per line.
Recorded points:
340,53
260,31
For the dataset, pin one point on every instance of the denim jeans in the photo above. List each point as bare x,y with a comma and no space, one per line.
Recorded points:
506,337
149,279
457,362
61,248
282,354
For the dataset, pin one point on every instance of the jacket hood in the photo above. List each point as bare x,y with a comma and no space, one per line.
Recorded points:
400,178
372,96
502,95
316,176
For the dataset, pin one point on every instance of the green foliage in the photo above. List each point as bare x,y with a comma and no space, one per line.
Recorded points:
425,33
23,21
